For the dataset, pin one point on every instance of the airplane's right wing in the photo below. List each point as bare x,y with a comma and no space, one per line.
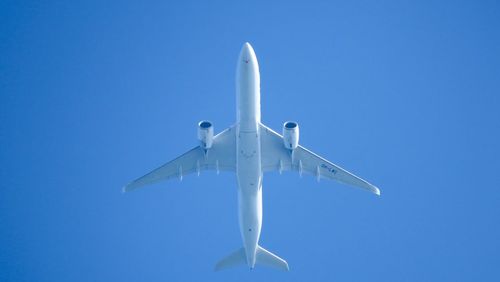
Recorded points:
222,156
275,157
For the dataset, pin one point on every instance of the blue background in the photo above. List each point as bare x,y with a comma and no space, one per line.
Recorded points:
403,93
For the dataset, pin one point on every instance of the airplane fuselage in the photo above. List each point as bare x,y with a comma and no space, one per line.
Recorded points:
248,151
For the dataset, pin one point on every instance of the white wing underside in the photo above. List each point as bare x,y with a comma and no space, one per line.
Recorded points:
220,157
275,157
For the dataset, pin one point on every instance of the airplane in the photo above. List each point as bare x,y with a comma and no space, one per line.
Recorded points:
249,148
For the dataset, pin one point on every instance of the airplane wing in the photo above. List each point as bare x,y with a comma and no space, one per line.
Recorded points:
275,157
222,156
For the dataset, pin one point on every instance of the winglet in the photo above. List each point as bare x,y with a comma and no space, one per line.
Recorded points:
127,188
374,189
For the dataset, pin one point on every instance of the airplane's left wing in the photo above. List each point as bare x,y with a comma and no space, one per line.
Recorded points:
220,157
275,157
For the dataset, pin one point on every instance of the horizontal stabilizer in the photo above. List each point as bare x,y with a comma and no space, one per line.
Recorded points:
265,257
236,258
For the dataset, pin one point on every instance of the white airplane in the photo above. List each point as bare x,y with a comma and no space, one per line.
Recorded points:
250,148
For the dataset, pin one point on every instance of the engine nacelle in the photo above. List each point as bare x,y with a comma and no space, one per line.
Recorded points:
205,134
291,135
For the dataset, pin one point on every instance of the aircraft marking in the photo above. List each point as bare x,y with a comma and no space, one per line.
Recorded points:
328,168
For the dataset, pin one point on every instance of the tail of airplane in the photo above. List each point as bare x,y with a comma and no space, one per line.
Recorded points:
263,257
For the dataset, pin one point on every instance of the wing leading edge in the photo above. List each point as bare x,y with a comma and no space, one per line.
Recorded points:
275,157
220,157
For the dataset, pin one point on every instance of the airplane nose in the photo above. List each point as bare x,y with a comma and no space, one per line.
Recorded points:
247,53
247,46
247,64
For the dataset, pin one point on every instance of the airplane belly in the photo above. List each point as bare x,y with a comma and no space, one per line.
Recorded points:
248,156
248,170
250,218
248,90
248,164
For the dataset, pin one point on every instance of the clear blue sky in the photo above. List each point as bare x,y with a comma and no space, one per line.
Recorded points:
403,93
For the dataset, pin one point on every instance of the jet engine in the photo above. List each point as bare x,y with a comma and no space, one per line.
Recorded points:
205,134
291,135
